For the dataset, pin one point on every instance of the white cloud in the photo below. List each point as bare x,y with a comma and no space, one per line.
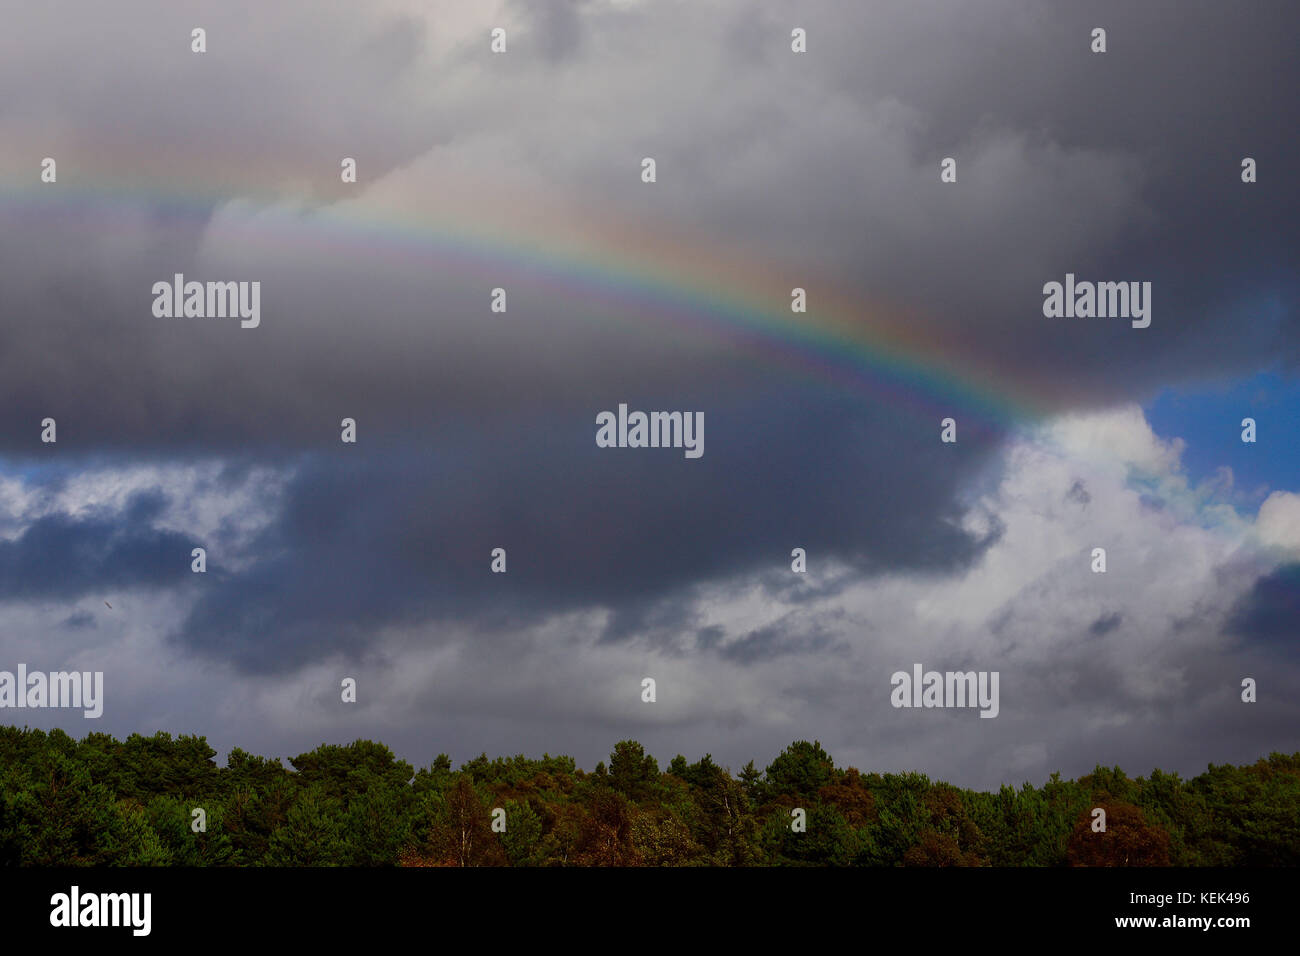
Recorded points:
1278,523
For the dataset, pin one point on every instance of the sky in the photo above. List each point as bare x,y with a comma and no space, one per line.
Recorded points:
476,429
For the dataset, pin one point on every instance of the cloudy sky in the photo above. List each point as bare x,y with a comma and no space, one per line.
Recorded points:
476,429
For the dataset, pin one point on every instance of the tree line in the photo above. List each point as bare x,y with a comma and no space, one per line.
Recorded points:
104,802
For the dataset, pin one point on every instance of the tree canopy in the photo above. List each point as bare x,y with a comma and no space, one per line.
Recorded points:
101,801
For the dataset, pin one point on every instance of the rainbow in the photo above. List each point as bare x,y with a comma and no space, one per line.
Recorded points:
634,272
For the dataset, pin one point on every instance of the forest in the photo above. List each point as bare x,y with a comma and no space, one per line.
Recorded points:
164,801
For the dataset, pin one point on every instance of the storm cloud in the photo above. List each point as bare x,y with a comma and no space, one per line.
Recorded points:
476,428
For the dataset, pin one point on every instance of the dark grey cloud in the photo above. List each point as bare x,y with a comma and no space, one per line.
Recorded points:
1078,493
62,556
1182,94
476,430
375,536
768,643
283,89
1269,615
1122,165
1105,624
553,26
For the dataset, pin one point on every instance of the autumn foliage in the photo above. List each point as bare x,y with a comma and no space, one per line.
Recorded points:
101,801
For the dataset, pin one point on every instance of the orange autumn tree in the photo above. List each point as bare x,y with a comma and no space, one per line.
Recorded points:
1129,840
460,834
